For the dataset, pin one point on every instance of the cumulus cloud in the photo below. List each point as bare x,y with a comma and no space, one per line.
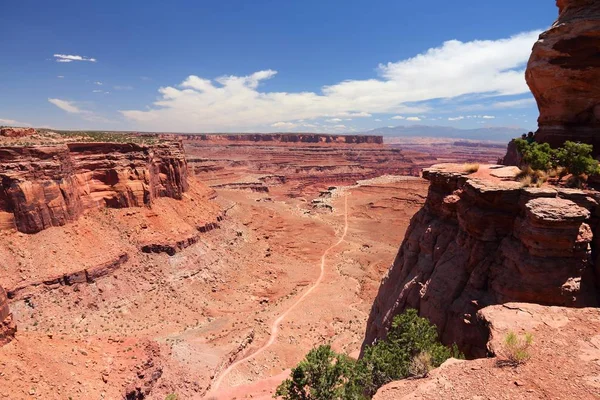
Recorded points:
67,58
98,83
490,67
398,117
456,118
488,117
335,120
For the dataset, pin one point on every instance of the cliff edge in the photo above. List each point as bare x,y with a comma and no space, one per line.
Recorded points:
483,241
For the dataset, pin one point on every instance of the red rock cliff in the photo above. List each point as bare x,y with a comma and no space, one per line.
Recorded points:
7,326
477,243
563,75
50,186
285,138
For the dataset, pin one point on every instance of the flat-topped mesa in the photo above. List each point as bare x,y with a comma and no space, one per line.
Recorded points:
44,186
479,242
7,325
563,74
285,138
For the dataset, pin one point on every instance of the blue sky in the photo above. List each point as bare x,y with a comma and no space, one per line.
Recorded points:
210,66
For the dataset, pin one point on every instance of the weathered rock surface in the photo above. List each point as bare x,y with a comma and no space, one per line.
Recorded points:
563,73
16,132
563,363
7,325
481,242
44,186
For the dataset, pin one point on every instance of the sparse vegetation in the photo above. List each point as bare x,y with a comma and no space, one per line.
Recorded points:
471,168
172,396
516,348
410,349
541,162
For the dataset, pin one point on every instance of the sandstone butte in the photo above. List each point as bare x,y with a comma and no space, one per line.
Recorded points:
563,73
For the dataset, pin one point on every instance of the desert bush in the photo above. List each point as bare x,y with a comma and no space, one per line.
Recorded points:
420,365
538,156
410,349
577,159
471,168
322,375
516,348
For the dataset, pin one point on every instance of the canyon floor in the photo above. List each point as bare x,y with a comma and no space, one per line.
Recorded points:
272,251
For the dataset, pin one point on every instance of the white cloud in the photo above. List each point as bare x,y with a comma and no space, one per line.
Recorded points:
98,83
60,76
335,120
490,67
67,58
12,122
514,103
413,119
97,91
65,105
72,108
284,125
398,117
377,119
456,118
488,117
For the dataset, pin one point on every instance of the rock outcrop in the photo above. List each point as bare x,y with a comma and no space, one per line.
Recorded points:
563,73
563,363
283,138
16,132
44,186
479,242
7,325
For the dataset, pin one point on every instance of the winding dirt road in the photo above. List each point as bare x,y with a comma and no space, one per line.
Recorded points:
279,320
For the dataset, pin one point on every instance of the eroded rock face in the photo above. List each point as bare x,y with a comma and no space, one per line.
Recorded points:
50,186
563,75
477,243
7,325
287,138
16,132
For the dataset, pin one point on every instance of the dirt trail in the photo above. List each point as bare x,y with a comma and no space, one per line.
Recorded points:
279,320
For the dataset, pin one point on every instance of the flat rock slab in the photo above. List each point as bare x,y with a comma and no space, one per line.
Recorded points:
505,172
556,210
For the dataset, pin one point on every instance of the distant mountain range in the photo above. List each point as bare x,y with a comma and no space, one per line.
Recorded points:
497,134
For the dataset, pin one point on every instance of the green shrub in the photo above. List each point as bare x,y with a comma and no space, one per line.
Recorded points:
322,375
539,156
577,159
391,359
410,349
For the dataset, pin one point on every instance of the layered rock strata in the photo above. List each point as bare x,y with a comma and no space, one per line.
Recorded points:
283,138
563,73
7,325
44,186
479,242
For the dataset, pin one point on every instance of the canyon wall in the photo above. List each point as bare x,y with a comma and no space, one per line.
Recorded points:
282,138
44,186
563,74
7,325
482,242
